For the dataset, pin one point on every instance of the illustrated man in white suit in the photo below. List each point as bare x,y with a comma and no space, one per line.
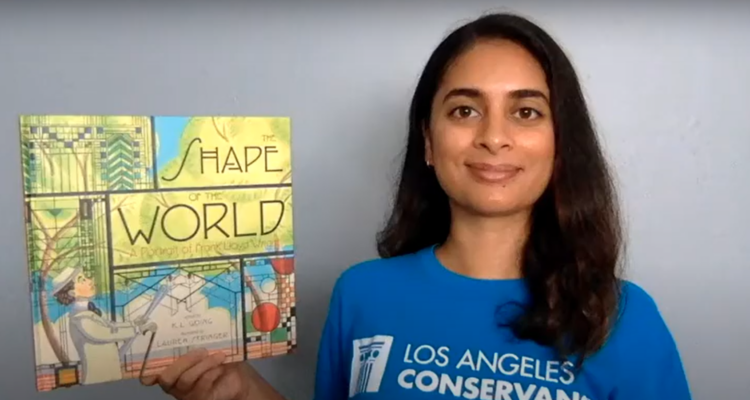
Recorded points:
95,337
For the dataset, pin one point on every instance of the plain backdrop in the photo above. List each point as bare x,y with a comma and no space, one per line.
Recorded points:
668,85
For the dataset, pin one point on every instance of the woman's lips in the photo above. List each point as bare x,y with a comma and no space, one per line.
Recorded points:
493,173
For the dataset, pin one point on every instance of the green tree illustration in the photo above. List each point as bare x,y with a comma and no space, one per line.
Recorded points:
54,245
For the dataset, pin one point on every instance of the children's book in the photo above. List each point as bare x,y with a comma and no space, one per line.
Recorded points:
148,236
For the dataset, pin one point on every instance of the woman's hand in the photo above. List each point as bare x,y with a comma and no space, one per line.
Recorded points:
200,376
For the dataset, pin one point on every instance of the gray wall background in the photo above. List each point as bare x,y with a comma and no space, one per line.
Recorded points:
668,86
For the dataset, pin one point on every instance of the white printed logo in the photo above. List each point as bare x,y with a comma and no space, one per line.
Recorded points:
369,358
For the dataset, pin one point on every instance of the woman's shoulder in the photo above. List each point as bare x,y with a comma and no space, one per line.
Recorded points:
368,282
640,323
391,269
636,303
635,298
641,337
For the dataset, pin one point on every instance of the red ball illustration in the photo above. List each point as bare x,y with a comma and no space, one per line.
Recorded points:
266,317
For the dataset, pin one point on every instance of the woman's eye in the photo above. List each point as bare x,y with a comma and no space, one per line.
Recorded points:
527,113
463,112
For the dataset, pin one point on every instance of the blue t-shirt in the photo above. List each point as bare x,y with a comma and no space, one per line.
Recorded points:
408,328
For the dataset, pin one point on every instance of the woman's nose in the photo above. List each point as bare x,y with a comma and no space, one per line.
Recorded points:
494,134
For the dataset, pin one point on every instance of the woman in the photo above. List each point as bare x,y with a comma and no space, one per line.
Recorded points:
500,258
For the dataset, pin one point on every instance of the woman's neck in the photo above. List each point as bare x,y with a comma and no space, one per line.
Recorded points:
485,248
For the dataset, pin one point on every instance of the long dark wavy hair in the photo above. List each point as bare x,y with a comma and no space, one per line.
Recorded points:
572,254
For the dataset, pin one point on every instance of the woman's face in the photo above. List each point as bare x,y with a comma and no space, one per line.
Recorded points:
490,138
84,287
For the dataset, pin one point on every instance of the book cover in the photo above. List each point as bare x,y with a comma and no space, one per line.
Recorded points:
148,236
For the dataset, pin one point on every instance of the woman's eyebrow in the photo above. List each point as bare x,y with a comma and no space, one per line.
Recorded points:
462,91
528,93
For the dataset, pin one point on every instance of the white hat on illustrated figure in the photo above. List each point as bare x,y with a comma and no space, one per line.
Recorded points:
63,278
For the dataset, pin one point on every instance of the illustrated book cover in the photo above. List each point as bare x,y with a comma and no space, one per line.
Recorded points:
148,236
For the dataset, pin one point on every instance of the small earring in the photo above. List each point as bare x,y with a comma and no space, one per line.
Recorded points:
427,162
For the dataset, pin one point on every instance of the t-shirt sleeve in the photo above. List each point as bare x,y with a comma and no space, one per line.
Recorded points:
330,377
653,368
